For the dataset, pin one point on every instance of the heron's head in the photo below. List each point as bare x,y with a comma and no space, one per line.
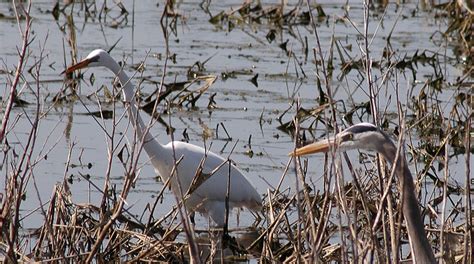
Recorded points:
96,58
361,136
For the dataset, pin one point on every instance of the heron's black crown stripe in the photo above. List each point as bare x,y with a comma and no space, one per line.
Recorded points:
361,128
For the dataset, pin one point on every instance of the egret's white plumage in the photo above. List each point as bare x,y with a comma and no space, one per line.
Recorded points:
209,197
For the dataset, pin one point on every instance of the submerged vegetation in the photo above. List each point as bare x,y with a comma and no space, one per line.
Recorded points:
336,64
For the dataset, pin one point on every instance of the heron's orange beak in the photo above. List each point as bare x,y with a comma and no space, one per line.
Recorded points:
80,65
316,147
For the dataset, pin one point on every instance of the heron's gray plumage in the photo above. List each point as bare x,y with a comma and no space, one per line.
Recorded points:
369,137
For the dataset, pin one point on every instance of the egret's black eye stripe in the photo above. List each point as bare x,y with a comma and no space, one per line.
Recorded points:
361,128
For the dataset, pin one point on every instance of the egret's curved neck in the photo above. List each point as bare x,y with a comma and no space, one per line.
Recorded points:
150,145
125,81
421,248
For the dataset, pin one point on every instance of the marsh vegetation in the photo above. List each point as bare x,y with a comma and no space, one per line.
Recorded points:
249,80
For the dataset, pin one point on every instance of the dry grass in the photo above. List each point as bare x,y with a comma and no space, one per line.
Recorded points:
358,221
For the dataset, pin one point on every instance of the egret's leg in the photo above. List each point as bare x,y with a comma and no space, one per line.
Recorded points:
191,217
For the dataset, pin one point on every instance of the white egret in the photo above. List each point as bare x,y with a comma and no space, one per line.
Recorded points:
369,137
209,198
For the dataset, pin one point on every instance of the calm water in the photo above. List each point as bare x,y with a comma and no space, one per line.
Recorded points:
240,104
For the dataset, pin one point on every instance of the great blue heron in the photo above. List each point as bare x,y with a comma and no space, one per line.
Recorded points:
209,198
369,137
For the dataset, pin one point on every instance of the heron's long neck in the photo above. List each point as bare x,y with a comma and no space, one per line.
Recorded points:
421,248
151,146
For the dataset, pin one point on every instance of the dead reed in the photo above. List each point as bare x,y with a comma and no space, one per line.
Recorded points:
357,221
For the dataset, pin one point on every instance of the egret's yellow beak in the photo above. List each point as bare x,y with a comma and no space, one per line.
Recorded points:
80,65
316,147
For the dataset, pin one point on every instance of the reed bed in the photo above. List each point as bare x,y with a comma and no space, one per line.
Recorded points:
342,221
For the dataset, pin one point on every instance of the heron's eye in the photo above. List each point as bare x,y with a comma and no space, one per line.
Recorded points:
348,137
